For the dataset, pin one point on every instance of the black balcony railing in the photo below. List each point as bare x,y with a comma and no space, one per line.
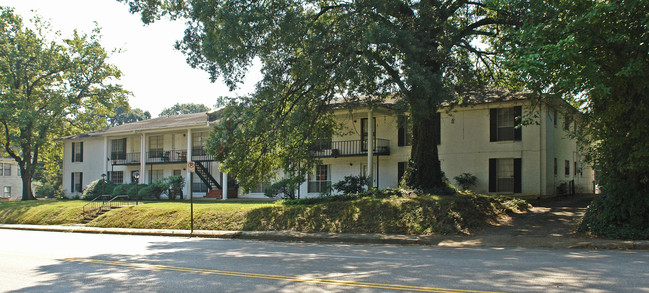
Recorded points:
162,156
125,158
349,148
200,154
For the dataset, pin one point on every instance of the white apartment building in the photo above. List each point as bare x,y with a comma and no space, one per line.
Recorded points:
11,183
483,137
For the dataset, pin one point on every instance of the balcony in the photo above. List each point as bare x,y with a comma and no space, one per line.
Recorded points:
160,157
349,148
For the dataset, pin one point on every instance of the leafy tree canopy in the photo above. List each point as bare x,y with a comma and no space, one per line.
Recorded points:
318,52
187,108
124,114
595,54
50,88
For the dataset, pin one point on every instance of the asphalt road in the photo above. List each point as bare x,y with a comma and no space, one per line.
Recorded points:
32,261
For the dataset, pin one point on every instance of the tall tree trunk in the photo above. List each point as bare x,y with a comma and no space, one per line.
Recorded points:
424,170
27,186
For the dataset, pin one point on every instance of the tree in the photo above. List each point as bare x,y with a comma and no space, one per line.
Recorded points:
596,55
49,88
124,114
187,108
317,52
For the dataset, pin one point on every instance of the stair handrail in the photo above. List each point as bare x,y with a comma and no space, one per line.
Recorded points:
210,179
94,202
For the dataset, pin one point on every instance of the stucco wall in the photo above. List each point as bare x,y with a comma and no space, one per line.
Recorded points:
13,181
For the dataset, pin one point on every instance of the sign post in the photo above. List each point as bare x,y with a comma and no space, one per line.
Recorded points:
191,167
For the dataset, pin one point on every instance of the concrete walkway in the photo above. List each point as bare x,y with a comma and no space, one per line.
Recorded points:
551,223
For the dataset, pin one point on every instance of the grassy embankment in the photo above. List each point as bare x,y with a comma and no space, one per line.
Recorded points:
419,215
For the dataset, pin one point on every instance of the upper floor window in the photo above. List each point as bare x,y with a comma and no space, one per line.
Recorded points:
198,143
118,149
364,133
505,124
155,146
567,169
5,169
77,152
566,123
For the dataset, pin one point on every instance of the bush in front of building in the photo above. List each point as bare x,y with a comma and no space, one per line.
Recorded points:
285,187
351,184
466,180
97,188
122,189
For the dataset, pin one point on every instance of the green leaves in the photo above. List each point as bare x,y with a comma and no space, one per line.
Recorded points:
50,88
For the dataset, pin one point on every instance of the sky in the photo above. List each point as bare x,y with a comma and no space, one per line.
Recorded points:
152,69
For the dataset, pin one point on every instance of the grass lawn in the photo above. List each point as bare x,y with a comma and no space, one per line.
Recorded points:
415,215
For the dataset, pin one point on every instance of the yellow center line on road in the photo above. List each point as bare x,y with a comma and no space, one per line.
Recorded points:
272,277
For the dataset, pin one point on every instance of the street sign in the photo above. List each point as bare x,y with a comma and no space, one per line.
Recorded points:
191,167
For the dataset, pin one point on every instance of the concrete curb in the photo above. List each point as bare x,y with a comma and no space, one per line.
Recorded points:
435,240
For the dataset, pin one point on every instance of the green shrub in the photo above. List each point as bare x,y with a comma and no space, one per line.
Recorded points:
351,184
466,180
122,189
377,193
97,188
176,184
286,187
160,186
131,192
145,191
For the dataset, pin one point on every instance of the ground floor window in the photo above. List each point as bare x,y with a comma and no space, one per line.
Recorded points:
76,182
505,175
320,181
198,185
7,192
155,175
259,188
116,177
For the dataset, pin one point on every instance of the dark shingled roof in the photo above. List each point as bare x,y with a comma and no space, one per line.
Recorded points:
164,122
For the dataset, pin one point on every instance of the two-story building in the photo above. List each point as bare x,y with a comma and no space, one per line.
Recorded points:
484,136
10,180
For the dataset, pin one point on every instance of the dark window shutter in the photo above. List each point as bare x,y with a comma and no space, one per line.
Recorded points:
493,125
80,182
492,175
438,127
401,170
518,112
72,180
517,176
402,136
81,151
73,145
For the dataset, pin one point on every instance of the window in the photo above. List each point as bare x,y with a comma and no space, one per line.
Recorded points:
505,124
556,117
566,123
76,182
259,188
177,173
556,167
116,177
505,175
364,134
198,143
401,170
319,182
199,186
575,167
118,149
155,146
567,167
7,192
77,152
5,169
157,174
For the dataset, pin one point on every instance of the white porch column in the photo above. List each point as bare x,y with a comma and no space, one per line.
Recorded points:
142,159
370,147
224,185
106,155
188,177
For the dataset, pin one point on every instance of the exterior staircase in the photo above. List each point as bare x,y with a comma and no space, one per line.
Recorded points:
102,204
